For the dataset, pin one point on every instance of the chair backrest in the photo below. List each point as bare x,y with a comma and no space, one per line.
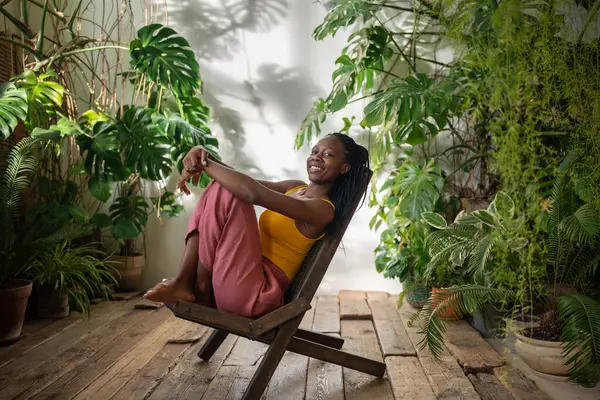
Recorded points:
316,263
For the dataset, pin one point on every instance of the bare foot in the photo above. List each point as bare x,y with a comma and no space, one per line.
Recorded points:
170,292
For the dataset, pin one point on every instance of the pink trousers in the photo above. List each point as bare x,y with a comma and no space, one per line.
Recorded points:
244,282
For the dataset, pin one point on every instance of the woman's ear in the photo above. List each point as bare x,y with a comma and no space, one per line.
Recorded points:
345,168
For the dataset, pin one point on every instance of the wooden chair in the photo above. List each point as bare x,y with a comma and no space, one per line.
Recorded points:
279,329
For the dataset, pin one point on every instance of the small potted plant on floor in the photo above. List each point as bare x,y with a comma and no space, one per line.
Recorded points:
66,275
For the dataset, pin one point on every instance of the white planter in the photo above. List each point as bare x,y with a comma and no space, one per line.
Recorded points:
543,357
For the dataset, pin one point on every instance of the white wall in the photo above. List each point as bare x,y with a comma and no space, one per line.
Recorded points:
261,76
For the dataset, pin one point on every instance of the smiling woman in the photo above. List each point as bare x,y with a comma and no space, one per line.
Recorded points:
246,265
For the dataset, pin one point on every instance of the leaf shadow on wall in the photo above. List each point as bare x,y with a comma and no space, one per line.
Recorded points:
213,29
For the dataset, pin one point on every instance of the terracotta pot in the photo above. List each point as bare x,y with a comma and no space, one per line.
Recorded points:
447,314
543,357
130,271
13,303
52,304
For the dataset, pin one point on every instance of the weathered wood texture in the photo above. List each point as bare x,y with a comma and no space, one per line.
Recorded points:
489,387
473,353
327,316
518,385
391,333
353,305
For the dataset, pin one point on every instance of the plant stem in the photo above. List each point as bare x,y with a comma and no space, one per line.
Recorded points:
19,44
60,16
24,28
591,15
24,13
411,66
364,97
457,146
40,43
385,72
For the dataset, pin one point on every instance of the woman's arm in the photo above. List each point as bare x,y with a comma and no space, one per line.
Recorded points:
315,212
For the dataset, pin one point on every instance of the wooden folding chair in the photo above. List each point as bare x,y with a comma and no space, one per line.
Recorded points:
279,329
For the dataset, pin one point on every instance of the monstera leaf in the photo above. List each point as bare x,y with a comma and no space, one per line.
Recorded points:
128,214
44,96
144,147
102,160
13,107
167,59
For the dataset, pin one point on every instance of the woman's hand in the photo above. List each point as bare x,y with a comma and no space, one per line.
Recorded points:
193,166
195,160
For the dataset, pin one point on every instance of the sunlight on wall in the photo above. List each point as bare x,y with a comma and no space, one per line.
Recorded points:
262,71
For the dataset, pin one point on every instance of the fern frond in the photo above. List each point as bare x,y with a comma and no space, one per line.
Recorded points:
16,178
462,300
581,335
582,226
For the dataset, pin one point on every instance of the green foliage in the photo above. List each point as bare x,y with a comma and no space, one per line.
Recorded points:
462,300
79,272
13,108
167,59
480,243
44,96
581,335
166,205
344,13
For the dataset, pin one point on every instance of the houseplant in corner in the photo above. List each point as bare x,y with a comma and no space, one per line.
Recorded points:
67,275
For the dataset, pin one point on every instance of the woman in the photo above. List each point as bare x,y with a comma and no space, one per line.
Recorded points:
249,265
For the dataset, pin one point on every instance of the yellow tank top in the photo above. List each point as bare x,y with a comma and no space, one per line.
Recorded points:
282,242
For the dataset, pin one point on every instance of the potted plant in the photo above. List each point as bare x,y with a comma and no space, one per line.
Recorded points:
562,344
69,275
478,247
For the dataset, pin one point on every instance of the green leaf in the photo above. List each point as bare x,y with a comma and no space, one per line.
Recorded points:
13,108
125,229
416,136
167,59
420,188
485,217
100,187
505,206
435,220
44,96
101,220
145,149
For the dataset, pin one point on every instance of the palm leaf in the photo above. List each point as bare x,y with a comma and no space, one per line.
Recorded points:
581,335
13,108
462,300
44,96
167,59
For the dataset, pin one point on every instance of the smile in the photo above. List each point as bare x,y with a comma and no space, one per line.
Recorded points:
312,168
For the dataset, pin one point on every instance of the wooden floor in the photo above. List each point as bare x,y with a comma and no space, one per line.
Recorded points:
127,353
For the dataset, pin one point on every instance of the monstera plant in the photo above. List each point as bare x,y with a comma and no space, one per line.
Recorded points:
144,141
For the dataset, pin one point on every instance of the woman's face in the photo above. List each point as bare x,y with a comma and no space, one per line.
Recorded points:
327,161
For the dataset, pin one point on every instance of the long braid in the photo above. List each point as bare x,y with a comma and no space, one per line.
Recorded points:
345,187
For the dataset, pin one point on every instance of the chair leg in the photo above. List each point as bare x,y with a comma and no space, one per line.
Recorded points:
325,340
212,344
271,360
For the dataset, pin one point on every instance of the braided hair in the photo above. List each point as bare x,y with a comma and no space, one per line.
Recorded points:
344,188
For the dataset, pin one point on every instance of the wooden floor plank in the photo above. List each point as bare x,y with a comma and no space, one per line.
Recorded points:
100,315
473,353
289,379
518,385
448,379
327,315
392,335
221,386
38,377
406,312
246,353
33,339
129,365
324,381
159,366
353,305
489,387
190,377
360,339
408,379
101,361
307,320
